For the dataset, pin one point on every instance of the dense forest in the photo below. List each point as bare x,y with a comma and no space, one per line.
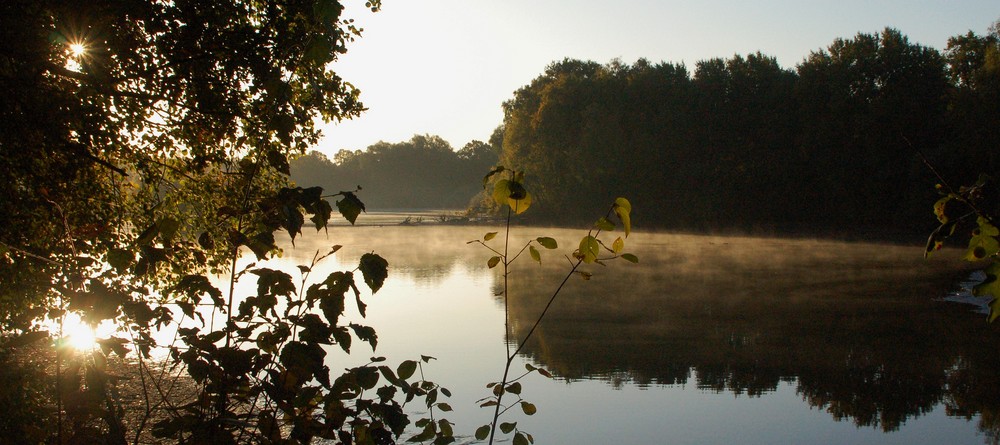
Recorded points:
846,144
838,144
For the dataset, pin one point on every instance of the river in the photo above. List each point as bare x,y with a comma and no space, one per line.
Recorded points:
708,339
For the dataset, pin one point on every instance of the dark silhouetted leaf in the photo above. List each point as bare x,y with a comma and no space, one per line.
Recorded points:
375,269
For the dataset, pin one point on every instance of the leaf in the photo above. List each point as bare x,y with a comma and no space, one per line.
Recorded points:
618,246
495,170
120,259
936,239
406,369
548,243
630,258
366,334
983,243
321,214
507,427
350,206
589,248
623,209
513,194
528,408
375,270
482,432
522,204
501,192
604,224
489,236
444,407
991,285
519,439
493,262
514,388
941,208
534,254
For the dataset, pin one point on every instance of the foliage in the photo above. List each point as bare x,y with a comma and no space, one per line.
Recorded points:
424,171
955,211
742,143
146,147
510,193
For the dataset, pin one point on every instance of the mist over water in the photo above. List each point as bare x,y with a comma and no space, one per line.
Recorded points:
768,340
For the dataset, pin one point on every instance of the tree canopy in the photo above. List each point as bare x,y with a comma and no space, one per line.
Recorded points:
837,144
117,116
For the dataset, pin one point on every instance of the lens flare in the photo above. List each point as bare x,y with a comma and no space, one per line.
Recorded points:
77,49
79,335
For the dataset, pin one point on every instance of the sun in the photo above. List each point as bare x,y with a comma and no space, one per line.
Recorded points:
79,334
77,49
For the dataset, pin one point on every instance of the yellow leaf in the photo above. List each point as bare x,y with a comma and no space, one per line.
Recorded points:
623,209
618,246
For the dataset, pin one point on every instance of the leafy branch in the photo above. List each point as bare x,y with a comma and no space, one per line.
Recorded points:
510,192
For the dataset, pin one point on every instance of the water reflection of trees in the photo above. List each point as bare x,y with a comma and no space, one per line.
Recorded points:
853,326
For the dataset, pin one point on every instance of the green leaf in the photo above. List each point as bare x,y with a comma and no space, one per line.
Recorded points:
528,408
604,224
513,194
444,407
483,432
501,192
623,209
534,254
548,243
375,270
991,285
618,246
489,236
493,262
982,246
589,249
630,258
507,427
941,208
406,369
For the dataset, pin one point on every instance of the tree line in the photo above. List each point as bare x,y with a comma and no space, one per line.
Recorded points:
424,172
843,144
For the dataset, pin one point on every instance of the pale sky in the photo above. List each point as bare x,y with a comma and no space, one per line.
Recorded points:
444,67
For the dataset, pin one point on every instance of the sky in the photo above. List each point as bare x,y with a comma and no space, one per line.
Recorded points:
445,67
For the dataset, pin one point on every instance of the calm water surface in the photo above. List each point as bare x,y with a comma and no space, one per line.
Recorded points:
708,340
